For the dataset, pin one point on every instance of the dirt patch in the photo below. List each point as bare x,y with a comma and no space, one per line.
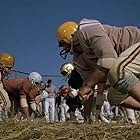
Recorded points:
39,130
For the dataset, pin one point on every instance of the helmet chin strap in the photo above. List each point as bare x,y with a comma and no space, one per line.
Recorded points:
71,46
5,75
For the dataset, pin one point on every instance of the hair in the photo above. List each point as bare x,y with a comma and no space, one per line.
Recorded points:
49,81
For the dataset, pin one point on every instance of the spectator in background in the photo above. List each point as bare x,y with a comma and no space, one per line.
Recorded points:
49,102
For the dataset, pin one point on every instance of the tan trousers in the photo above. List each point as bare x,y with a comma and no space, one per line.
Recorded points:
5,103
125,72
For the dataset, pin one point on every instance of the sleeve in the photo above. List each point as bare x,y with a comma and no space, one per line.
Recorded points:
32,93
74,92
97,38
105,52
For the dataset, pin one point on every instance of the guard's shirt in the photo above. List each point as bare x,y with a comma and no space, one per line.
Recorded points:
98,44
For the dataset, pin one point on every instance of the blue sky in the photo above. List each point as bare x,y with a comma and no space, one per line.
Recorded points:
28,28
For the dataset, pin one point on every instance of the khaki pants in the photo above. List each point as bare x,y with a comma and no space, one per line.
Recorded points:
125,72
5,103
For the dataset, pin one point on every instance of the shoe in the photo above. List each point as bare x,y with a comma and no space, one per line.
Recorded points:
103,118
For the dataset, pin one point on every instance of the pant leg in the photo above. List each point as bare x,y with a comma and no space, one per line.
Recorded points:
107,108
52,109
66,108
57,109
46,109
78,116
4,98
62,113
125,72
131,115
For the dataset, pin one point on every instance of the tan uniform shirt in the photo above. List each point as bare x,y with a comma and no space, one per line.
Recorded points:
101,44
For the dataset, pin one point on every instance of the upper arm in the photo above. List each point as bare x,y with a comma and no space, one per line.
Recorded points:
28,90
105,52
97,39
33,93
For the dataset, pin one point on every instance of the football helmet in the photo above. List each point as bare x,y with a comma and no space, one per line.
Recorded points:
62,86
65,91
64,37
35,78
6,62
66,69
65,31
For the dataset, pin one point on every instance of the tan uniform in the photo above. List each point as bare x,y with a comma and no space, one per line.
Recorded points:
103,43
5,103
108,47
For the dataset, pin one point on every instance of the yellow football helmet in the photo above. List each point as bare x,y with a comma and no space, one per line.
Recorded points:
6,63
66,69
64,37
65,31
7,59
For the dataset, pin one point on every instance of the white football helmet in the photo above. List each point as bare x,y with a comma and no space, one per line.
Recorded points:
35,78
66,69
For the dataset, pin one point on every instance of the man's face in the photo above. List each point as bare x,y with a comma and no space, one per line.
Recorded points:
65,46
6,70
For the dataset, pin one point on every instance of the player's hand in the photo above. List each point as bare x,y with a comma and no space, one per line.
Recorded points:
73,93
38,99
85,92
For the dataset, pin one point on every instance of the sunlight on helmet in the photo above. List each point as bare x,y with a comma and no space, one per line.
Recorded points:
6,63
65,31
64,37
66,69
65,91
7,59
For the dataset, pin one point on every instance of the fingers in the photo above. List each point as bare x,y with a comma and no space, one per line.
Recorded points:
85,96
38,99
82,97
